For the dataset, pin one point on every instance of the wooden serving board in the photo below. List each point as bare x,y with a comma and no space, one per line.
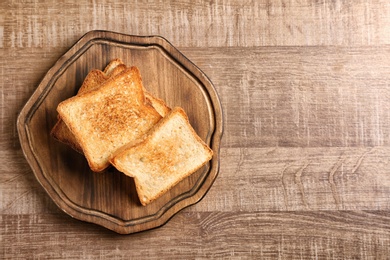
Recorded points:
109,198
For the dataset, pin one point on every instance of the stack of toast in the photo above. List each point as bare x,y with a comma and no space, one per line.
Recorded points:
113,120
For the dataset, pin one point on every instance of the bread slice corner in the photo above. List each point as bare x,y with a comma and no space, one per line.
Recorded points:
112,65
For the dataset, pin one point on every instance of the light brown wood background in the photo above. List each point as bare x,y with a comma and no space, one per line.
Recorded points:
305,156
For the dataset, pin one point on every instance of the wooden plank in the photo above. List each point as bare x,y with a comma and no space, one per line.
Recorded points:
296,235
200,23
304,179
300,96
256,179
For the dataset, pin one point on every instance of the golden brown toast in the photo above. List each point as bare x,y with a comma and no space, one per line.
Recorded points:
104,119
60,131
112,65
93,80
170,152
158,104
115,71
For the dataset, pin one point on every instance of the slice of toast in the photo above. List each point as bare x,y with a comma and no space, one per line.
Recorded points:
112,65
115,71
158,104
104,119
93,80
60,131
170,152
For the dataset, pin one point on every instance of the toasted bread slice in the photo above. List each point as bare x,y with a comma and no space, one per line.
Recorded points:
115,71
170,152
158,104
112,65
104,119
93,80
60,131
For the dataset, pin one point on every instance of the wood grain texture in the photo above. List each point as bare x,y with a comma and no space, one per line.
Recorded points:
302,96
270,235
200,23
307,179
305,90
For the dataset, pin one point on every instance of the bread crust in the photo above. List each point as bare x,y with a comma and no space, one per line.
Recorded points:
162,163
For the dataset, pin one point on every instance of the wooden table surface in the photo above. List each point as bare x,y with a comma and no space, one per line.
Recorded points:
305,156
